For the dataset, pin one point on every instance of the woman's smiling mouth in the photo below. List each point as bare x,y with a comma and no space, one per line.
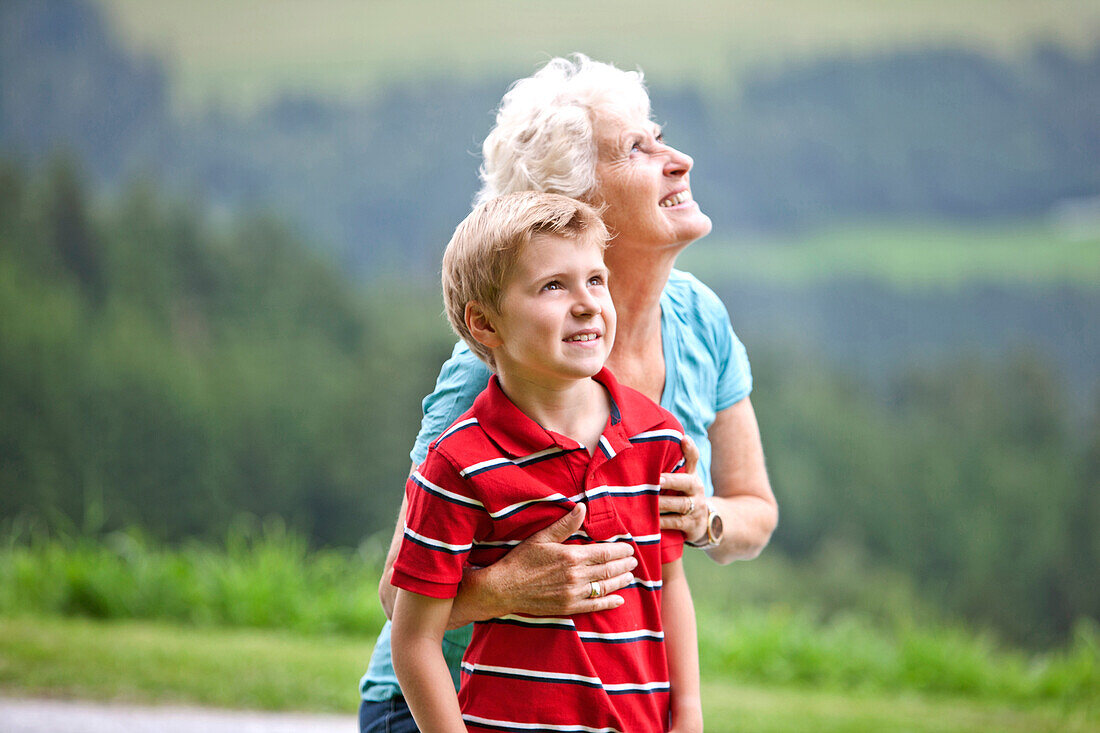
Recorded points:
676,198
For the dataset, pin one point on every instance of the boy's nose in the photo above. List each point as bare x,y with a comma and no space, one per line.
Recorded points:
586,305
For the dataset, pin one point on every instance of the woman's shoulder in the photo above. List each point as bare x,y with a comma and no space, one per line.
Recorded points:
463,366
460,380
693,301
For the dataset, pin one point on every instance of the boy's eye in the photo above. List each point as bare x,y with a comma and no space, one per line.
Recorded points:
552,285
595,280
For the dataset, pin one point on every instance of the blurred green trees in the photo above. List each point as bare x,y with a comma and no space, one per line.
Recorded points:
158,370
382,176
971,477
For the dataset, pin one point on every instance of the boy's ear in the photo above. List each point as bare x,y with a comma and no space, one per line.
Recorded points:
479,320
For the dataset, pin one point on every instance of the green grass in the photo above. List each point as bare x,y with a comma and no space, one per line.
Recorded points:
263,577
1029,254
154,662
241,52
734,707
783,646
835,623
141,661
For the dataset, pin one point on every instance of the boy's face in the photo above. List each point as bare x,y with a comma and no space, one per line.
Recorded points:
556,322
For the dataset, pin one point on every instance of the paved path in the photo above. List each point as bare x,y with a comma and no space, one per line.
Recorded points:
54,716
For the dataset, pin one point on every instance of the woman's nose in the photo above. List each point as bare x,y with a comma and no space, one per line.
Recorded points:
678,163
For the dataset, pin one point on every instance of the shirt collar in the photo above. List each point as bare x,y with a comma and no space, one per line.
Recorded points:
517,435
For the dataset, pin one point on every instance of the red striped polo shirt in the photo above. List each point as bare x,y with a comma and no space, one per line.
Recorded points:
494,478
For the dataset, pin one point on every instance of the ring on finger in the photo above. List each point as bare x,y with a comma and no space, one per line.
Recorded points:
690,507
595,591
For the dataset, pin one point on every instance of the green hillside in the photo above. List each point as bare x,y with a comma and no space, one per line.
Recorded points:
240,52
910,257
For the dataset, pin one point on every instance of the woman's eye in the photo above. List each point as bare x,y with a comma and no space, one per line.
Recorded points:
636,146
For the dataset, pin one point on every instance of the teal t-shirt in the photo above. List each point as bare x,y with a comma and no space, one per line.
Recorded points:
706,370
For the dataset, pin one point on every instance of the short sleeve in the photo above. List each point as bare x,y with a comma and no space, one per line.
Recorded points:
461,379
672,545
734,374
441,523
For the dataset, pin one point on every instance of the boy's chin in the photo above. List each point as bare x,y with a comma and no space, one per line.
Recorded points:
578,374
589,369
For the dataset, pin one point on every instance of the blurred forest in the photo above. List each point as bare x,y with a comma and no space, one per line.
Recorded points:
382,177
237,312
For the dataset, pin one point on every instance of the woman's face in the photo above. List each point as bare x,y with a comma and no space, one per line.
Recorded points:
644,184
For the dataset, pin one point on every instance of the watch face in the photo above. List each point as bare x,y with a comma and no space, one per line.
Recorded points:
714,529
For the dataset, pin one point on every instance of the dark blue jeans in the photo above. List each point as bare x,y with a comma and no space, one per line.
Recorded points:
388,716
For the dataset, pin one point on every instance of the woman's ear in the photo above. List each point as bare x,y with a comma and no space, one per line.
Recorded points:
479,320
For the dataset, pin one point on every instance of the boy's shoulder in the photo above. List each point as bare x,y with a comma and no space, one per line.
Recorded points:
461,436
493,427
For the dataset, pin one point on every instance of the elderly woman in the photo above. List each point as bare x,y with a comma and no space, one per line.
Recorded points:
583,129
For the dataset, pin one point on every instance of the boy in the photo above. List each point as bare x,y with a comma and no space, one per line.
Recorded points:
525,286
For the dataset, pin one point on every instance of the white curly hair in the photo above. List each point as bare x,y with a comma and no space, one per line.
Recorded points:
543,138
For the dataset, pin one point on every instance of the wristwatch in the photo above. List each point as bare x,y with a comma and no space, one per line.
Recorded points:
713,536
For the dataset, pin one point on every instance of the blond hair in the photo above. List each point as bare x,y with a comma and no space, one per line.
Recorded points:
543,138
485,246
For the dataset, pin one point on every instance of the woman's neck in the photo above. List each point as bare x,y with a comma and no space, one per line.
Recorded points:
636,282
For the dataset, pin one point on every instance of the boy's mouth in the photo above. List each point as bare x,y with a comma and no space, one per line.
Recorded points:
587,336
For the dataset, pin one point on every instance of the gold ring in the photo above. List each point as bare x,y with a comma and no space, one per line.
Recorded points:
691,506
595,591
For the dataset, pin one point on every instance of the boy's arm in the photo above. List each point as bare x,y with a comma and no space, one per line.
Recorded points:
681,649
417,636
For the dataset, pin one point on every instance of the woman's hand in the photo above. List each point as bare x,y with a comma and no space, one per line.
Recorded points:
543,577
540,576
683,502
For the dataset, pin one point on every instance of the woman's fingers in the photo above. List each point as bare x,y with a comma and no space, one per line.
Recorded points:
599,595
604,603
682,503
614,583
613,568
560,530
686,482
680,493
543,577
693,524
603,553
691,454
608,570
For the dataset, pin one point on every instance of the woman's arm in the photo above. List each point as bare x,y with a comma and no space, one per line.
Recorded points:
387,592
681,649
417,635
540,576
742,494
